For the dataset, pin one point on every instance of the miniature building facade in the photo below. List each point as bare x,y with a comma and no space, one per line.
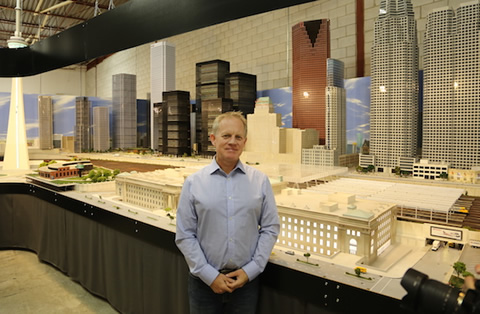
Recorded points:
329,224
335,113
65,169
394,85
174,123
124,111
45,122
162,79
241,88
82,125
429,171
319,155
155,190
101,129
451,78
310,50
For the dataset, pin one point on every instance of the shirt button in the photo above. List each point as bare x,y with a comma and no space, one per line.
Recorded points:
229,197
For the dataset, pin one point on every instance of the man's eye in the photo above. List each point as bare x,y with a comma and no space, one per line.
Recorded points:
225,136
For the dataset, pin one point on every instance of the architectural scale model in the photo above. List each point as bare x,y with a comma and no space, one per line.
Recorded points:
162,79
451,116
394,86
101,129
124,110
65,169
45,122
310,50
268,142
83,121
241,88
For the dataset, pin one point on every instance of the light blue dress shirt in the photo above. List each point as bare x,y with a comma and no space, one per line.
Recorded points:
226,221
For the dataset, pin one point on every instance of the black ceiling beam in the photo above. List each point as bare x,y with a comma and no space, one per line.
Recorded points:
134,23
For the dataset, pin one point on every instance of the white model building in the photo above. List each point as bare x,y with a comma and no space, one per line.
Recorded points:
45,122
451,116
162,79
327,224
429,170
124,110
394,85
153,191
101,129
268,142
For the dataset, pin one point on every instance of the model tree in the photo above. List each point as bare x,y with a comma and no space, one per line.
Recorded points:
459,268
307,256
358,271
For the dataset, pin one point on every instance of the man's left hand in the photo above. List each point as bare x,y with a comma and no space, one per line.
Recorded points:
240,277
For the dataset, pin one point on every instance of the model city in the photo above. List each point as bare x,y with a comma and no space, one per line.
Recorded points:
338,217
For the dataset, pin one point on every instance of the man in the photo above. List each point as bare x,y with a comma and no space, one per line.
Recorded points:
227,225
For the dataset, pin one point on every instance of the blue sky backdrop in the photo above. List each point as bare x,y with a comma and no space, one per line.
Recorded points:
358,110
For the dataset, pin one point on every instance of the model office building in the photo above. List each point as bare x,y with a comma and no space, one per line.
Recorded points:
451,117
394,85
124,111
101,129
310,50
174,123
83,140
45,122
162,79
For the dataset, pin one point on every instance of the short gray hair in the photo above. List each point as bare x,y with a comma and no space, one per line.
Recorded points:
230,114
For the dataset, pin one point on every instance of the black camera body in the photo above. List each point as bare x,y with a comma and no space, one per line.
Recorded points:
426,296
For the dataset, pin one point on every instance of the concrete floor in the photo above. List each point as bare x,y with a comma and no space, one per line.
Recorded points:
28,285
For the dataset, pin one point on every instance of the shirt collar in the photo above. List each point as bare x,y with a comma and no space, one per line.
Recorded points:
214,167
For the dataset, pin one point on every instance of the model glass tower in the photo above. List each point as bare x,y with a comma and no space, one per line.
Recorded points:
335,113
394,85
82,126
311,48
124,109
451,116
45,122
101,129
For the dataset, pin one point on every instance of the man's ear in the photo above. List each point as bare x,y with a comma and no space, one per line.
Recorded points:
212,139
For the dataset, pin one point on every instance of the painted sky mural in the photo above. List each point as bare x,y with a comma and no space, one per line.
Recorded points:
357,92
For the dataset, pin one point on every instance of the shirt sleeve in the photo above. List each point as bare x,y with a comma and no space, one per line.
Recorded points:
186,237
268,233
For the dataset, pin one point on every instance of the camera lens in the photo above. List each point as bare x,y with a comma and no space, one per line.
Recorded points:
429,296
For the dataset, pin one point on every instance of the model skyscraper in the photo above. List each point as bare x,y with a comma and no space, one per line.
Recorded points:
101,129
162,79
83,142
451,116
310,50
394,85
45,122
335,114
124,109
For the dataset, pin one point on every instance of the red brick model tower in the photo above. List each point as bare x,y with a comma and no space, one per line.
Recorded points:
311,48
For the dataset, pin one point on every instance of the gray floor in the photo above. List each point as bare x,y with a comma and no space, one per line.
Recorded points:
28,285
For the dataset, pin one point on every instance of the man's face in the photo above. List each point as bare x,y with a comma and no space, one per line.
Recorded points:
229,140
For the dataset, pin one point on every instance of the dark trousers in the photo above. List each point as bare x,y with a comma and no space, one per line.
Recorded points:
204,301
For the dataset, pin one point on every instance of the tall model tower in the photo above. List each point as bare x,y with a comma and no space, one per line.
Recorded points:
451,117
45,122
124,109
394,87
162,79
101,129
311,48
335,113
82,126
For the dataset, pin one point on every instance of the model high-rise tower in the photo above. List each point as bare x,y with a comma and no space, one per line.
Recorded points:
83,142
45,122
162,79
101,129
124,109
174,123
394,85
311,48
335,113
451,117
